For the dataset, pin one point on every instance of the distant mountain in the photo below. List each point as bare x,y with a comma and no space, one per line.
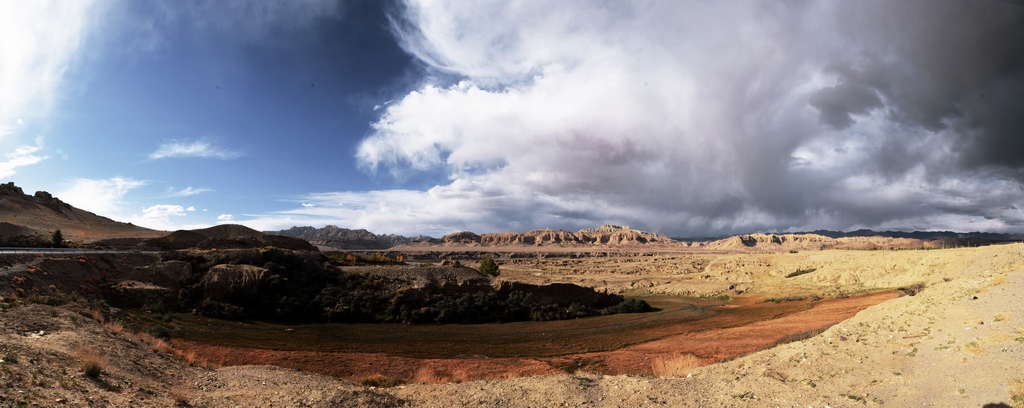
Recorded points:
332,237
605,235
31,219
924,235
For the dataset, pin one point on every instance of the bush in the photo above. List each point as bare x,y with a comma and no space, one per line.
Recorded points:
92,362
911,290
799,272
489,267
380,381
58,239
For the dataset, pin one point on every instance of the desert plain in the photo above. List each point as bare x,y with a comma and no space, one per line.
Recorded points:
930,327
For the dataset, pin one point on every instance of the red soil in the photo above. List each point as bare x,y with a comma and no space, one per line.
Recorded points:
713,339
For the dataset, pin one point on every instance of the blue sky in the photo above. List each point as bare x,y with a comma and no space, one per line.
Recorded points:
414,117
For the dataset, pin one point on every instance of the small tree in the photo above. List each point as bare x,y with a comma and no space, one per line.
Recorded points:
489,267
58,239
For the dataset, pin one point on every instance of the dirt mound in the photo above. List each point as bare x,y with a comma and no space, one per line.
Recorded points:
19,236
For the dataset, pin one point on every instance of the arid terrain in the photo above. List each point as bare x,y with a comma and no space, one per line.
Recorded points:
225,316
957,342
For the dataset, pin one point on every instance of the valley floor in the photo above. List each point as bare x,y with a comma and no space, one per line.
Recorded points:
959,342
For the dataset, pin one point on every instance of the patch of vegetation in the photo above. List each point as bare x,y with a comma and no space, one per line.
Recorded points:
489,267
160,332
10,357
784,299
381,381
854,397
57,239
911,290
91,361
305,287
799,272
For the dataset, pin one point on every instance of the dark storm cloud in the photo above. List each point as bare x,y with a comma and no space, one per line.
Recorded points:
696,118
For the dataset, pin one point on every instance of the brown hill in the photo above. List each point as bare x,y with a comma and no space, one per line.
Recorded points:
228,236
28,217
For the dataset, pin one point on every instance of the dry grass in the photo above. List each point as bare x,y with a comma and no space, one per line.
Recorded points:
115,328
678,366
428,375
92,362
181,394
1017,393
381,381
97,316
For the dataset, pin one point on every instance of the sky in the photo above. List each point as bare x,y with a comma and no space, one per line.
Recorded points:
687,118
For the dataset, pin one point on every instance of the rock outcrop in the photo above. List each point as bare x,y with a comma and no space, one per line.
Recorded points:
606,235
222,281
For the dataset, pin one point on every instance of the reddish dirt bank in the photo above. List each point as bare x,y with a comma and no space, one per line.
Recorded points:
714,345
711,340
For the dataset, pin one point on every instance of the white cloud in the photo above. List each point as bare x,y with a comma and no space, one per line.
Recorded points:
20,157
190,209
101,196
189,191
159,216
39,43
198,148
225,217
680,117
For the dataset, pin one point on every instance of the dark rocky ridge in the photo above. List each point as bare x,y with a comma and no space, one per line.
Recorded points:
343,238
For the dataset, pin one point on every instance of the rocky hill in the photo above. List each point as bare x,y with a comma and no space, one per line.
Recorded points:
784,242
606,235
227,236
30,219
332,237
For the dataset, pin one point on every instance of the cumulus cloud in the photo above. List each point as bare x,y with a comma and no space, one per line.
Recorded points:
704,117
225,217
159,216
198,148
101,196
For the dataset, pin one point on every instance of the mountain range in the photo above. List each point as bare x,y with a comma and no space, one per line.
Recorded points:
28,220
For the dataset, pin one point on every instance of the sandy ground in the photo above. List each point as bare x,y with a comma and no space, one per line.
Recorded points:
960,342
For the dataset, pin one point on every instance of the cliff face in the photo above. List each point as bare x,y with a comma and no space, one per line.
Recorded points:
776,242
610,235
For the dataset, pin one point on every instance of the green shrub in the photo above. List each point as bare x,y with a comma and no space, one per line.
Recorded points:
489,267
801,272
